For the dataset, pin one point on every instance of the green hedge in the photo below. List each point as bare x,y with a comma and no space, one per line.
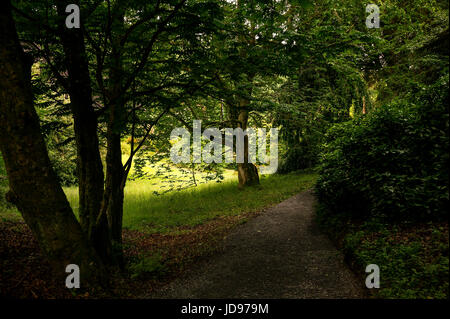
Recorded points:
392,163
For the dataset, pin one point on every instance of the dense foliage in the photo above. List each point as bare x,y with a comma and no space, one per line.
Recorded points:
391,163
383,176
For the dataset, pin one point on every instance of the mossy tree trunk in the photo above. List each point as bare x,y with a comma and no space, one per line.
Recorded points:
90,168
34,187
113,197
247,172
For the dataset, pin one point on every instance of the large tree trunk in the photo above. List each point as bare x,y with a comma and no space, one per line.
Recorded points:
247,172
90,168
114,190
34,187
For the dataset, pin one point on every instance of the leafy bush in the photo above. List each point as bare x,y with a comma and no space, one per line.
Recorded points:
410,265
64,163
148,267
392,163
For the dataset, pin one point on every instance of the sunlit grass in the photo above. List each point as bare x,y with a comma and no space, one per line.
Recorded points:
159,213
143,189
144,210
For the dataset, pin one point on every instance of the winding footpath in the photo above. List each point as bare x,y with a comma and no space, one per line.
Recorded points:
278,254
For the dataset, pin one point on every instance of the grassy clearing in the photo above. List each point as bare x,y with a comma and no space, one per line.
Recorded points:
143,210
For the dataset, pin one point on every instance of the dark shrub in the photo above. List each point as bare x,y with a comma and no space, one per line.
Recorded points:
391,163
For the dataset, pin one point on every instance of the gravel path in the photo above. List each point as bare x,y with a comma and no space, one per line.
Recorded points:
279,254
